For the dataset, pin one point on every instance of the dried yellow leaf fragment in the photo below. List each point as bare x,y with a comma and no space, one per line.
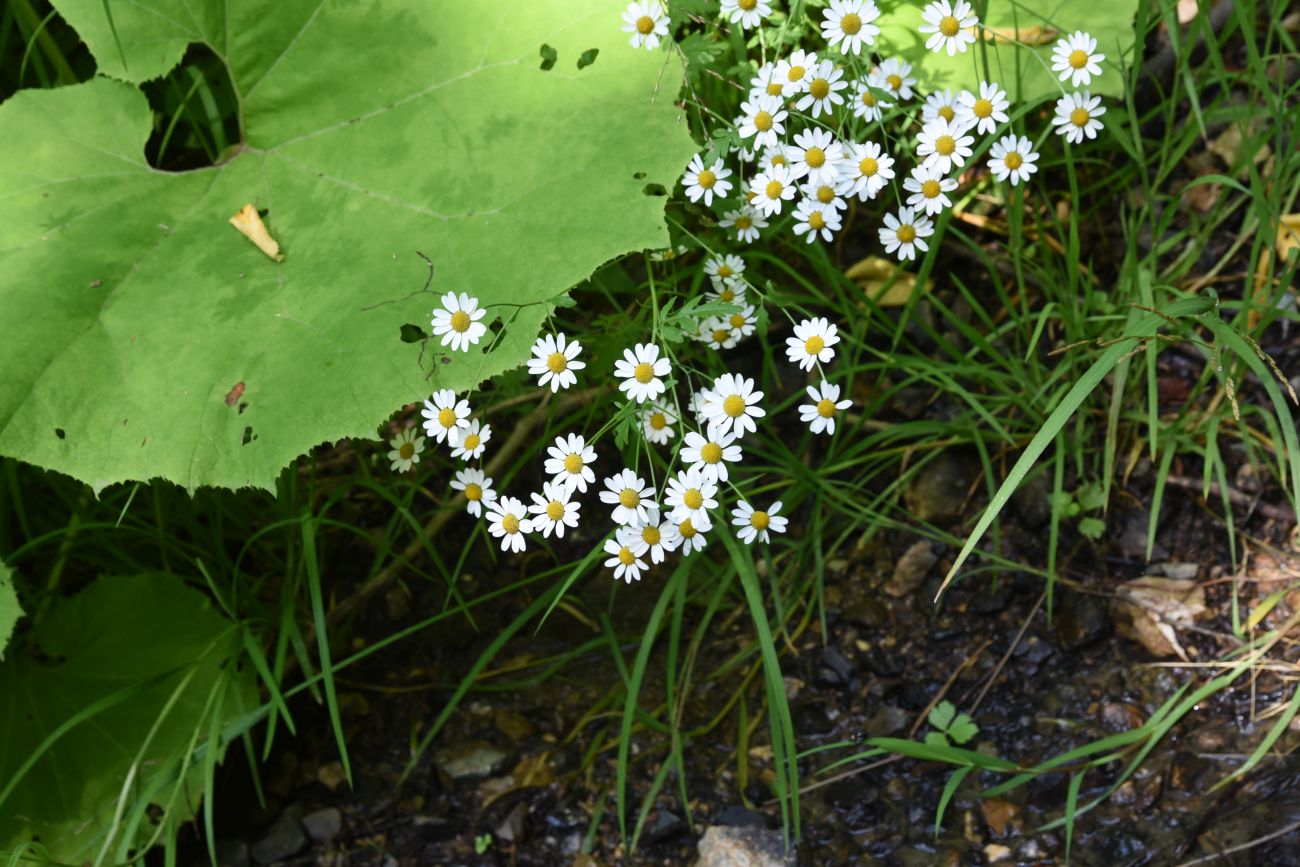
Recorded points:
249,223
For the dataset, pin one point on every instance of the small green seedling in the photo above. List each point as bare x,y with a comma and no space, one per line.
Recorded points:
950,728
482,843
1088,498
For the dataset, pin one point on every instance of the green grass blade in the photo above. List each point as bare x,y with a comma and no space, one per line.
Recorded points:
322,640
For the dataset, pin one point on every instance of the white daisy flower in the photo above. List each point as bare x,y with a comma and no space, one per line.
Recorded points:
717,334
746,13
710,453
730,292
654,535
692,535
624,563
944,144
508,521
469,442
812,342
826,194
569,461
847,23
896,74
929,189
765,82
690,495
864,170
744,154
554,360
744,321
824,88
745,221
477,489
1012,158
906,233
444,414
724,270
776,155
820,414
795,72
405,450
458,321
1075,59
706,183
814,218
771,188
763,119
865,103
756,524
732,404
696,403
641,369
658,423
554,509
985,111
1076,116
630,497
940,104
816,156
647,22
949,25
668,254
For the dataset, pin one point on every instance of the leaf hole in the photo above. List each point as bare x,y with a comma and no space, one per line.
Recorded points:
639,176
243,405
654,190
548,57
587,58
196,114
249,436
412,333
60,433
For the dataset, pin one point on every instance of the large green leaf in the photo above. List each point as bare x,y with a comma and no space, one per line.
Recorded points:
110,660
10,611
371,131
1019,50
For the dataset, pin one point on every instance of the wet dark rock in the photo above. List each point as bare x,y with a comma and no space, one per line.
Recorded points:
513,725
1120,717
1081,620
284,839
1133,540
666,826
834,669
511,828
812,721
938,490
990,601
912,569
729,846
883,662
1032,501
739,817
435,829
232,853
1033,649
866,611
470,760
889,720
851,793
323,825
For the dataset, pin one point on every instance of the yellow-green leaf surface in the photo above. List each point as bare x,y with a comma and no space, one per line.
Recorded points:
10,610
122,707
1017,45
150,339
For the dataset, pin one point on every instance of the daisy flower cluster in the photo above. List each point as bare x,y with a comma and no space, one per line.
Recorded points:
812,134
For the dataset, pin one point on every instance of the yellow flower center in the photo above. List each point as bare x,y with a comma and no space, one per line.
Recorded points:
750,195
471,442
692,499
825,194
706,179
643,373
747,5
460,321
906,233
721,335
626,557
983,108
744,222
930,189
724,271
727,295
650,535
774,88
949,26
819,88
710,453
629,498
406,450
510,523
645,24
944,145
780,160
687,529
894,81
1078,58
773,189
658,421
760,520
555,510
734,405
737,320
796,73
825,408
815,157
814,344
1080,117
816,221
868,167
573,463
556,362
763,121
946,112
850,24
1013,160
868,99
473,492
447,417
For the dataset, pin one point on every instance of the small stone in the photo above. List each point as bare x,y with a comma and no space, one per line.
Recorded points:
938,491
323,825
998,814
834,670
665,826
995,852
1081,619
793,686
232,853
911,570
513,725
471,760
283,840
889,720
511,828
331,775
730,846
